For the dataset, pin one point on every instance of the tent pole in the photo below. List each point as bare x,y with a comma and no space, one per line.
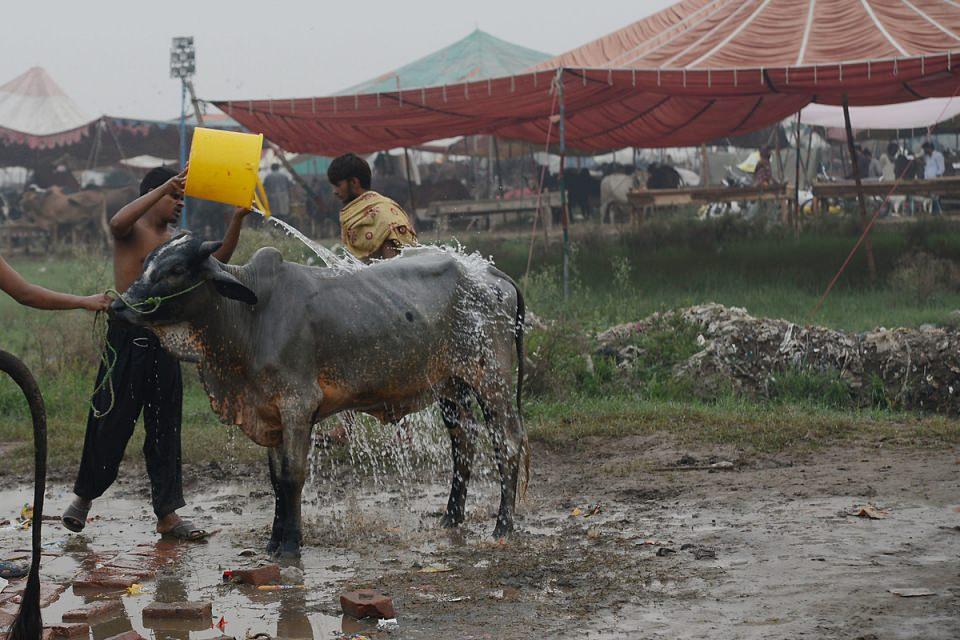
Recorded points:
496,160
796,179
868,245
413,204
564,218
183,142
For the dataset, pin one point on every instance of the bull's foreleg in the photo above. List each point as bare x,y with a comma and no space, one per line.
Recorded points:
456,417
280,503
288,463
506,434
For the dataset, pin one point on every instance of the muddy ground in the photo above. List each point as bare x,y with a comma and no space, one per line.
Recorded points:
766,549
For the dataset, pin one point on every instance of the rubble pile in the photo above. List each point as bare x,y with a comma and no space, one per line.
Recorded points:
907,368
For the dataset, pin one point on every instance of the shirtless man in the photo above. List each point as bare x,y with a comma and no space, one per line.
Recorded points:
144,377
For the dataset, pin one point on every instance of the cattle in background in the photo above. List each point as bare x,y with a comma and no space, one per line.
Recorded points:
83,215
614,189
281,346
663,176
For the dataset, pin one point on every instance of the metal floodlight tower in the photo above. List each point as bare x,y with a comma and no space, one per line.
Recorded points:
183,66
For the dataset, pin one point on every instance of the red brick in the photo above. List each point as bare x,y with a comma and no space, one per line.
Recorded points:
107,580
99,609
67,631
267,574
49,593
367,603
179,610
127,635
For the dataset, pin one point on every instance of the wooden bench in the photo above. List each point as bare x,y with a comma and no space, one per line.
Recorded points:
640,199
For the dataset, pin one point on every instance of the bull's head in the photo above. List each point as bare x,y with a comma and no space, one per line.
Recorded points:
174,279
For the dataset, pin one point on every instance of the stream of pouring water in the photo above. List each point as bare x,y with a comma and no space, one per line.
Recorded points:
328,257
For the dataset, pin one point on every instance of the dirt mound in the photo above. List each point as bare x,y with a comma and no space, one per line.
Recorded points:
903,368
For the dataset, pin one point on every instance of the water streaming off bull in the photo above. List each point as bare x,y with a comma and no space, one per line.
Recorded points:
418,449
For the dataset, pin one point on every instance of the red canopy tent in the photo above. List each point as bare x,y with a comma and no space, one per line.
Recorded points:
697,71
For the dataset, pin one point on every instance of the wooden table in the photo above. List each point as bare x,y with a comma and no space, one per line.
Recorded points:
654,198
947,186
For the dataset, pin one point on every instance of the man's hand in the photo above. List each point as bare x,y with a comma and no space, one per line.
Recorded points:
98,302
239,213
176,185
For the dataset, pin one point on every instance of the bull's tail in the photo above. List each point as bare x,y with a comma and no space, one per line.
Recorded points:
28,624
518,333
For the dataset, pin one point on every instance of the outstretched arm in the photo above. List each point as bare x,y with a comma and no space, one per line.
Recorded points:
121,224
32,295
231,237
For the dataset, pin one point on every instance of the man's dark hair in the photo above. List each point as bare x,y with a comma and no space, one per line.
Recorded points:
275,166
348,166
927,145
867,152
154,178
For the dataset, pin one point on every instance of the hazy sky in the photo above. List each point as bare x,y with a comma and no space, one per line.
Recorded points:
112,56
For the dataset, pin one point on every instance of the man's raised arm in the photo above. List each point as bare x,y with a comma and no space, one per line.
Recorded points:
121,224
232,236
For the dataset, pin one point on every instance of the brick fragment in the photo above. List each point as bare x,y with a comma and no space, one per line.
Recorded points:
95,610
79,630
267,574
49,593
127,635
367,603
108,580
193,610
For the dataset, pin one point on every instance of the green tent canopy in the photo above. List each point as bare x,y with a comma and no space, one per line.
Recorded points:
476,57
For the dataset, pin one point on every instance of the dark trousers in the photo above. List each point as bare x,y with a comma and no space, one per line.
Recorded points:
145,378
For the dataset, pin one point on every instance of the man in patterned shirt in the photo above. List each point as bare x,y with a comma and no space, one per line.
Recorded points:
373,227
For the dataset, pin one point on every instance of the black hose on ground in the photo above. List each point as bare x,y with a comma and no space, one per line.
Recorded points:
28,624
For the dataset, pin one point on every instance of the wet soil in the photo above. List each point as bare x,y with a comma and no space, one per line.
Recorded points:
676,548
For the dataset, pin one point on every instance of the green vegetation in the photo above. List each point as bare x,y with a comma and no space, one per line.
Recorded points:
615,279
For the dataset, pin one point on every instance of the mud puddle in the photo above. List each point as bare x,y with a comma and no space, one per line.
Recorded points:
605,548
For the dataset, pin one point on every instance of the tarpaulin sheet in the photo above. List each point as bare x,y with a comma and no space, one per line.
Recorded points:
697,71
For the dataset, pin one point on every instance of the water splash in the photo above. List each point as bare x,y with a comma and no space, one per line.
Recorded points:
344,262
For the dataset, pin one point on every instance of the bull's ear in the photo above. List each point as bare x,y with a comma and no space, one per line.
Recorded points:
207,248
229,287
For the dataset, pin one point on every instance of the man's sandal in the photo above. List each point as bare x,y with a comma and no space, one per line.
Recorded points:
185,532
75,516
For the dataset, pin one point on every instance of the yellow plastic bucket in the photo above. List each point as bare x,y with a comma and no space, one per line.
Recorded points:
224,167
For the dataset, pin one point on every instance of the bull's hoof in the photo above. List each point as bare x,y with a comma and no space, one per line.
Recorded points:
450,521
502,530
286,551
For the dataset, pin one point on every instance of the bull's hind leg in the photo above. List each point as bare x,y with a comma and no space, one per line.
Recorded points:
456,416
275,460
506,434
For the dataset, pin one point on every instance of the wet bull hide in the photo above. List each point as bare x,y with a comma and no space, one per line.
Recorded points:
280,346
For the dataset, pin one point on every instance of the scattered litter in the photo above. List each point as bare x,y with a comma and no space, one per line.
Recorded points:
246,553
497,594
912,593
665,551
593,510
870,511
652,542
593,532
436,568
222,625
279,587
576,512
482,564
723,464
388,624
702,553
136,589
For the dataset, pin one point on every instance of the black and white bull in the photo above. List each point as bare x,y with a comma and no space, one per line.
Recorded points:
281,346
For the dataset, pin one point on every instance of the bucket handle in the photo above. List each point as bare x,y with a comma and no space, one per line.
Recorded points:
260,199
